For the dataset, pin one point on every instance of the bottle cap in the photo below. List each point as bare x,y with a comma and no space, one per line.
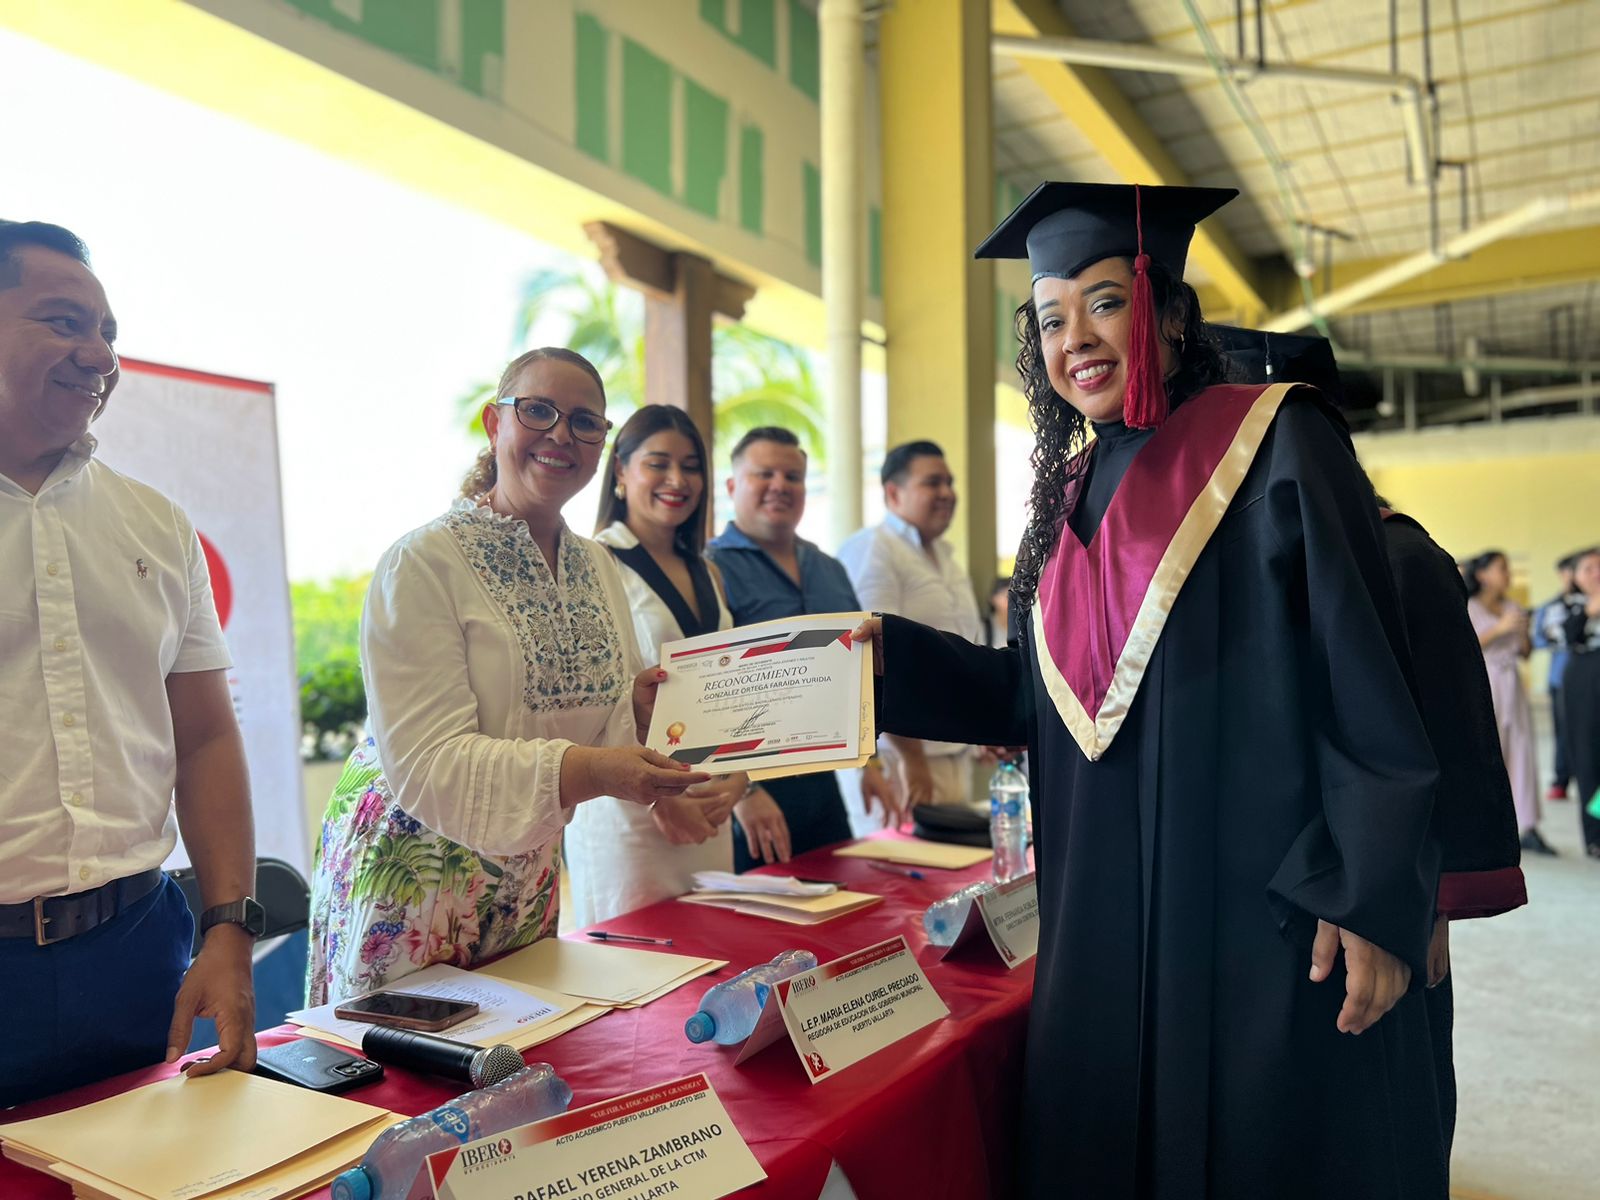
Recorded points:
354,1184
701,1027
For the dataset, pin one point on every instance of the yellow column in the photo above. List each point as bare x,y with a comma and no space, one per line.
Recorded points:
938,302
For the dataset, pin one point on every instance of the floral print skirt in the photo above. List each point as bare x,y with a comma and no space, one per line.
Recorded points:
390,896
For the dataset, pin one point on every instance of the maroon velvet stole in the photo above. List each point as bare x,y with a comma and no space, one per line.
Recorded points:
1101,608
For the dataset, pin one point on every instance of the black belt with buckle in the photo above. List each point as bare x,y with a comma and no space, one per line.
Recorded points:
49,919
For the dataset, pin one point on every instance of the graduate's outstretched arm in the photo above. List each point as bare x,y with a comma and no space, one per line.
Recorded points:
938,686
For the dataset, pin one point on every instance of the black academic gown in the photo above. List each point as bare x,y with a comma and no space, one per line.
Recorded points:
1272,769
1473,812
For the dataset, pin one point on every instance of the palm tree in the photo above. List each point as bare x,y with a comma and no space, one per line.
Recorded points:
756,380
604,323
759,380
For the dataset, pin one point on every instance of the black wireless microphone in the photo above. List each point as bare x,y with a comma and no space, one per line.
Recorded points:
441,1056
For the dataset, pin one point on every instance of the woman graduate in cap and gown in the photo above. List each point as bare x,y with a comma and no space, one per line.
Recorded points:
1231,782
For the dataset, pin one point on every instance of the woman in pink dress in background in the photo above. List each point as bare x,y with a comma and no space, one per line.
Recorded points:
1502,627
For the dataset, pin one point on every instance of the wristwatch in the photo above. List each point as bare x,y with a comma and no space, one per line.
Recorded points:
245,913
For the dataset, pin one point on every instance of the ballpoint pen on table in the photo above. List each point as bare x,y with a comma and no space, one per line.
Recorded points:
603,936
905,871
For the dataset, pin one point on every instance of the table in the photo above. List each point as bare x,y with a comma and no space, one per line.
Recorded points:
933,1115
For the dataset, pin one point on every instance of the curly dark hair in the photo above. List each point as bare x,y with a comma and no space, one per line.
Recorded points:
1060,430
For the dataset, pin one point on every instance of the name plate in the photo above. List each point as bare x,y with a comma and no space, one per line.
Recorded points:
1009,916
841,1012
671,1140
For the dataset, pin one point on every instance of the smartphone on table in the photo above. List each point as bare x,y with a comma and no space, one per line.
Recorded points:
316,1065
405,1010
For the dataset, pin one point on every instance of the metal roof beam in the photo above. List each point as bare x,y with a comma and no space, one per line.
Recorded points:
1515,264
1089,99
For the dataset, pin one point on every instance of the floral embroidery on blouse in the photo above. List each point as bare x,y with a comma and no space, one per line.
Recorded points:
390,896
571,651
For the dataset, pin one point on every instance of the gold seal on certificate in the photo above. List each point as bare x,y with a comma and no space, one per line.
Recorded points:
778,698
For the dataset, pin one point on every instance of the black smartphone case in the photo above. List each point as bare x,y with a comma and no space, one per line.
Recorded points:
316,1065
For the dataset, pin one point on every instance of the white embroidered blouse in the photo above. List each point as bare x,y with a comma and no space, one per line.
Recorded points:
482,668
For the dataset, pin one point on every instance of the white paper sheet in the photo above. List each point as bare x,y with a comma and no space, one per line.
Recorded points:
504,1007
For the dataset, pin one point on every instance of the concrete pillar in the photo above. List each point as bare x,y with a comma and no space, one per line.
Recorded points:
938,203
844,252
682,292
677,343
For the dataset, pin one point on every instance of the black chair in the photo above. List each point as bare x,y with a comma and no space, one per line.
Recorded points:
281,891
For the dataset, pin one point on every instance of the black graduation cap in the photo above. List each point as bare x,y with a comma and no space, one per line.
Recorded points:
1262,357
1063,227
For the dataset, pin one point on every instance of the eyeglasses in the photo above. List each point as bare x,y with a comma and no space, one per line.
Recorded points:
540,415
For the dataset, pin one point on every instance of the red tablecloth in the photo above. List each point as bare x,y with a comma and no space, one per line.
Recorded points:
933,1115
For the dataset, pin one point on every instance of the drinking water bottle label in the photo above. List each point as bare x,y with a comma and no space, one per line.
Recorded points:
675,1138
453,1121
1010,807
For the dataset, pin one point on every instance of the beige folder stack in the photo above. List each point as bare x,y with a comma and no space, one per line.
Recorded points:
578,980
793,910
227,1136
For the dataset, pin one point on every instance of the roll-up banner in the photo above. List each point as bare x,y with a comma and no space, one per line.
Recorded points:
210,443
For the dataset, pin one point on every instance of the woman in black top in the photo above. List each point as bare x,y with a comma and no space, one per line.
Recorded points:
1580,696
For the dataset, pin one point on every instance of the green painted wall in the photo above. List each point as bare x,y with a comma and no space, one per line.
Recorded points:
593,59
752,179
705,147
1009,293
646,117
411,30
811,182
757,30
702,101
483,41
875,251
805,59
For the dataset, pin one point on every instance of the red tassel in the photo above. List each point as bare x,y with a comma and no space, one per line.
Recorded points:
1145,406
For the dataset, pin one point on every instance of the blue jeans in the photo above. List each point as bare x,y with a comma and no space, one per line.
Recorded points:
95,1005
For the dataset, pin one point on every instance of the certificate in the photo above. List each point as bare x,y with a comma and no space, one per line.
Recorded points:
779,698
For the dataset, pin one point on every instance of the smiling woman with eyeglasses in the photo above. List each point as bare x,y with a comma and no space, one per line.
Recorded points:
496,648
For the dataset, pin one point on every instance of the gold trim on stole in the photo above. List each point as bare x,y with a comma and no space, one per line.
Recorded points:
1199,523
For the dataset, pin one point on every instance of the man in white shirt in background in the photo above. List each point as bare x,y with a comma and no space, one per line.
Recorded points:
113,696
904,566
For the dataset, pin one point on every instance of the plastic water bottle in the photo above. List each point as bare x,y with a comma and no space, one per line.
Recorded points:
944,918
392,1168
1008,821
729,1010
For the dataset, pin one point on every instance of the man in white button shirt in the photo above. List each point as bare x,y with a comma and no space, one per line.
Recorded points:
113,698
904,566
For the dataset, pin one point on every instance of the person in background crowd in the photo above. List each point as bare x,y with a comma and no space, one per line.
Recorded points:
904,566
497,651
771,572
653,517
1548,621
1502,627
114,709
1231,781
1580,696
997,624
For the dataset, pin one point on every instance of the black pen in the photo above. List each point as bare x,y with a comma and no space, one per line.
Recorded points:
628,937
